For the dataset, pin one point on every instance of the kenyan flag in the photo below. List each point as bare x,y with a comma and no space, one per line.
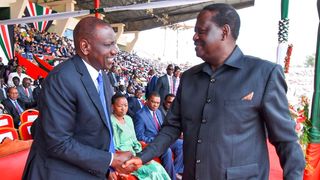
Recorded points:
6,43
34,9
42,64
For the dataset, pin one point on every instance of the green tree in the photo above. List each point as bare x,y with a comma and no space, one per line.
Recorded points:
310,61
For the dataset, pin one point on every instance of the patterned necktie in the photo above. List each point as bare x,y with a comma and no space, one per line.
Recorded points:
104,104
17,107
156,120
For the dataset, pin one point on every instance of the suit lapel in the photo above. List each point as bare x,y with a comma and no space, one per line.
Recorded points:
89,86
159,116
166,82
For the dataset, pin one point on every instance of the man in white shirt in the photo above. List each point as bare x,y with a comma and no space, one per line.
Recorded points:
18,74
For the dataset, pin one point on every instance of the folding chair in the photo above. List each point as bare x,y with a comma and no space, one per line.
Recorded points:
25,130
8,132
6,120
29,115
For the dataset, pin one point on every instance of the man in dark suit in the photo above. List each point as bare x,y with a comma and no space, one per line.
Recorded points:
135,103
147,123
226,107
114,77
36,91
151,86
73,136
25,93
3,90
14,106
165,106
165,83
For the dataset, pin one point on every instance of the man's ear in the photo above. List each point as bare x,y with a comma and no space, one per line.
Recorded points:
85,47
226,31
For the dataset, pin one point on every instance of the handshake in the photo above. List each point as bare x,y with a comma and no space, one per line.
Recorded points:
124,163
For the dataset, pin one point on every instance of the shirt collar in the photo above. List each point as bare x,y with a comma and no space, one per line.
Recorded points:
13,101
151,112
92,71
235,60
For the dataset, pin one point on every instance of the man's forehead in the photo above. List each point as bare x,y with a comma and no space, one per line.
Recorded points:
205,17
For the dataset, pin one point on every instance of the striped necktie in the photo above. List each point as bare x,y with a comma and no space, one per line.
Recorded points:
155,119
17,107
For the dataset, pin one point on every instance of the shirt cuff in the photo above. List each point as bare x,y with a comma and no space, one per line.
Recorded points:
111,159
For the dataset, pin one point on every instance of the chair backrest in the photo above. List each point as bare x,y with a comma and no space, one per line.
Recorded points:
25,130
8,132
29,115
13,157
6,120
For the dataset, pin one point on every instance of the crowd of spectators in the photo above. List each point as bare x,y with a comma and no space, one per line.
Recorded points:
30,41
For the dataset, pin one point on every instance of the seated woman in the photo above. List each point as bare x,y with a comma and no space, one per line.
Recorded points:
125,140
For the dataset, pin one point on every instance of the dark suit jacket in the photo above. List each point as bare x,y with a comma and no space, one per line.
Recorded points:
11,109
151,86
2,95
71,135
163,111
162,86
114,79
29,101
144,125
36,95
225,135
23,96
133,106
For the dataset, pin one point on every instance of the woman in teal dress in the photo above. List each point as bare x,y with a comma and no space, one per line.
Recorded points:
125,140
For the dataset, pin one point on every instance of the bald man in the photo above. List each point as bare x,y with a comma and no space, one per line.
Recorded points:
73,136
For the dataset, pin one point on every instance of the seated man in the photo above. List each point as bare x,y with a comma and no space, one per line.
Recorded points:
125,139
13,105
164,108
135,103
25,93
147,123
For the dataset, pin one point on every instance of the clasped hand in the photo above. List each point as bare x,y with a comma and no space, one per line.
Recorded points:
125,163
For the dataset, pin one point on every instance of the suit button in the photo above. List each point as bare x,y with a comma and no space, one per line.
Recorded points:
212,80
198,161
204,121
199,141
208,100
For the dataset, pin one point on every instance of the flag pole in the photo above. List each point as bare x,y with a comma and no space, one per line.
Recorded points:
96,6
312,171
